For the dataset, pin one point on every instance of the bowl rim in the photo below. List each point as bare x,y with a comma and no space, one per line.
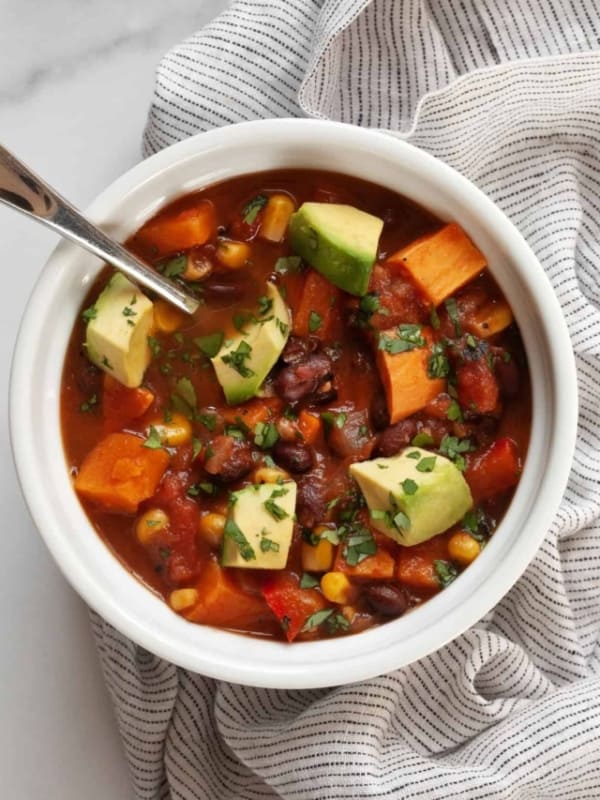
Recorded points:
376,656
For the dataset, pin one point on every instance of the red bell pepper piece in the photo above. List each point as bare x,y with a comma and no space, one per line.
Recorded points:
494,471
291,605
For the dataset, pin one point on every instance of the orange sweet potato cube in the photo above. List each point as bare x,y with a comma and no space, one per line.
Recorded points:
120,472
441,262
408,387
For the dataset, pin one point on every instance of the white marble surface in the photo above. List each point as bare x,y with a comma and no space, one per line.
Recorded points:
76,78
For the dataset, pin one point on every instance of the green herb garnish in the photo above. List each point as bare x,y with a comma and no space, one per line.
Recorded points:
452,309
407,337
233,532
236,358
308,581
409,486
314,321
438,365
445,571
174,267
265,435
153,442
209,344
89,404
426,464
252,209
89,314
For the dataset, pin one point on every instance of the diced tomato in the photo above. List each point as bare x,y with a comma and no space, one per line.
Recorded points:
494,471
291,605
477,387
416,567
121,405
399,299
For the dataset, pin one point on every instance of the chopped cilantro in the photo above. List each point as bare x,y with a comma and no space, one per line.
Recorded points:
154,346
434,319
317,619
89,314
208,420
265,304
409,486
454,413
414,454
209,344
445,571
268,545
153,442
236,358
174,267
129,312
283,326
252,209
196,447
336,622
359,545
407,337
194,490
106,363
288,264
422,439
241,319
314,321
89,404
265,435
184,389
308,581
233,532
369,303
426,464
452,309
438,365
453,448
276,511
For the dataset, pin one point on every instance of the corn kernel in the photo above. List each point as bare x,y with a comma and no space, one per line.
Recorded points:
269,475
337,588
211,528
276,217
317,558
463,548
167,318
232,254
150,524
175,432
180,599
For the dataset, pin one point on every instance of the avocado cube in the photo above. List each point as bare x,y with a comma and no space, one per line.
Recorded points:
413,495
245,360
116,337
259,528
339,241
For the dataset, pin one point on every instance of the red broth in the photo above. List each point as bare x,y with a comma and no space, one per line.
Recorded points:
342,574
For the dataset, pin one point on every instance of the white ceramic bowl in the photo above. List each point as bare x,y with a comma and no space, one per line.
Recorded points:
35,390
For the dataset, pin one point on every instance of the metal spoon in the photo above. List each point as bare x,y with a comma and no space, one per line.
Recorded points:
24,191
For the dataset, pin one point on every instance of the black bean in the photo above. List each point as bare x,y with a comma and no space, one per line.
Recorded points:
380,417
297,348
229,459
293,456
397,436
308,378
386,599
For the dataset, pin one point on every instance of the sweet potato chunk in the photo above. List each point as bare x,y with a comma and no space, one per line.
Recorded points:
120,472
441,263
224,604
189,228
489,319
405,378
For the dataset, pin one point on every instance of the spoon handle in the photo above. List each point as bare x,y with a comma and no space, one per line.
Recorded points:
24,191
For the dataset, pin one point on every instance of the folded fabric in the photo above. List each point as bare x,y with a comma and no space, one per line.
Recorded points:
508,93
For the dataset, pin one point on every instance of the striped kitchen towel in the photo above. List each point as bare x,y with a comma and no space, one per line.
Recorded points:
508,93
